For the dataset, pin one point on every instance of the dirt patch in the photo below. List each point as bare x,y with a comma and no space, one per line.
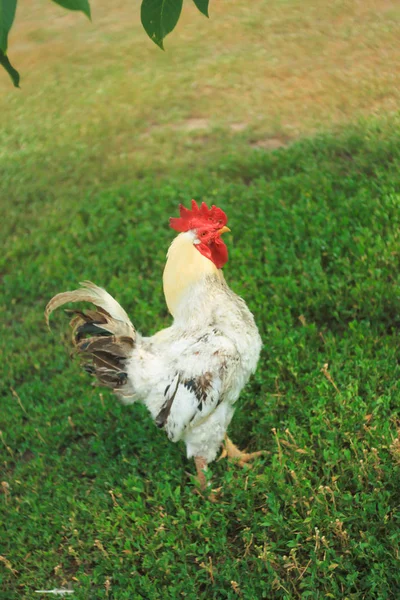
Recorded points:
270,143
236,127
27,456
194,124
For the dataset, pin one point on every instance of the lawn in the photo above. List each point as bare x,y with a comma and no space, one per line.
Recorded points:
96,154
94,493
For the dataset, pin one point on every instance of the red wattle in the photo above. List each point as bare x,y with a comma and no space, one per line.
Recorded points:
216,251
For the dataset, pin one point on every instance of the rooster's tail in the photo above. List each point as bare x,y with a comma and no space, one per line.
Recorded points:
105,337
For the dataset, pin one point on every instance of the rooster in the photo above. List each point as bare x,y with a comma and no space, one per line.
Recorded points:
190,374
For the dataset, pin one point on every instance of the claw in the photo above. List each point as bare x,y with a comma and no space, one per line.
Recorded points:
235,455
223,454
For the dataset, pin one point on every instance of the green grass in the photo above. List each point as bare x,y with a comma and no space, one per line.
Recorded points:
94,496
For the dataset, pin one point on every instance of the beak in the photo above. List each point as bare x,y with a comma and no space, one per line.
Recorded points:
224,229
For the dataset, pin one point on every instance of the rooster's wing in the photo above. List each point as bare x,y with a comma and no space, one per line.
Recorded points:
200,382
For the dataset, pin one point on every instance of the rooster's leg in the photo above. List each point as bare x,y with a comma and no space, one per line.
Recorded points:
201,466
235,455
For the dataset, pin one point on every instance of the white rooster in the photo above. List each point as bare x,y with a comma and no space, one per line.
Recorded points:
189,375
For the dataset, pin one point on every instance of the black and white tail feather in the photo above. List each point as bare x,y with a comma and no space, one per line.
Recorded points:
105,337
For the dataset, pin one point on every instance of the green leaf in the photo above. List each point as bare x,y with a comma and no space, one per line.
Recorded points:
9,68
159,18
7,14
202,5
82,5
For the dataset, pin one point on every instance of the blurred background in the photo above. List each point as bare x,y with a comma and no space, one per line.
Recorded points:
101,96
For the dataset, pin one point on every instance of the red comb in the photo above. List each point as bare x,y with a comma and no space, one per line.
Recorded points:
198,217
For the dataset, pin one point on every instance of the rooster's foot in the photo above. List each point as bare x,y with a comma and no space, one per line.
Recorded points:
204,489
201,466
233,453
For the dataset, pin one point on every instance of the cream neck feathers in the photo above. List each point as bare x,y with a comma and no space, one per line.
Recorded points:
185,266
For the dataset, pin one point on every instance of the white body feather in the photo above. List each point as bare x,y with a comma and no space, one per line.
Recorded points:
213,341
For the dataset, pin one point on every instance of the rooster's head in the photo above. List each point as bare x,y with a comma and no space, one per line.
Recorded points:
207,225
